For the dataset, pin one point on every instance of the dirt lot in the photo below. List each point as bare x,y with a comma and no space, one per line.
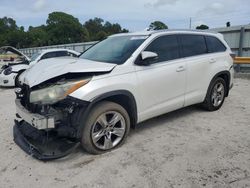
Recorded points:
186,148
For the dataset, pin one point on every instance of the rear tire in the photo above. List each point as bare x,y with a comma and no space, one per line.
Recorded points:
215,95
105,128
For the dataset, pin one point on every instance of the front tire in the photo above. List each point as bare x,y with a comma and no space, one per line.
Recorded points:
106,128
216,95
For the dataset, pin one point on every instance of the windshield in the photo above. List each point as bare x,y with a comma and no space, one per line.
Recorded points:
115,49
33,58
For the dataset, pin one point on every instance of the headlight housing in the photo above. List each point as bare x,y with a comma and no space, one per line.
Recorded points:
55,93
7,71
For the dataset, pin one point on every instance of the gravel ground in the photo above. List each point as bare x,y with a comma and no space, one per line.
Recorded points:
186,148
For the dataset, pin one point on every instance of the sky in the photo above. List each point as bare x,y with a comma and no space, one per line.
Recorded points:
135,15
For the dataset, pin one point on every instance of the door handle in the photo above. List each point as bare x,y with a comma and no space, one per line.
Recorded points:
212,60
180,69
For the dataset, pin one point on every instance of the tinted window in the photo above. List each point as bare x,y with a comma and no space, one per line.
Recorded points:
193,45
49,55
214,45
55,54
166,47
61,53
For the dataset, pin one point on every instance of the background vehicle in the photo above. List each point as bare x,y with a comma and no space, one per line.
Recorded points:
10,72
11,56
119,82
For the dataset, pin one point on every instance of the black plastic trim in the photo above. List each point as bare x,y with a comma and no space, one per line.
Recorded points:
22,141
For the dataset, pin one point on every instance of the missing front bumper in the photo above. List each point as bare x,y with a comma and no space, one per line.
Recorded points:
40,144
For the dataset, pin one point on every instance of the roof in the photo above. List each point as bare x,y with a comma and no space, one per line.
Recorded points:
167,31
58,49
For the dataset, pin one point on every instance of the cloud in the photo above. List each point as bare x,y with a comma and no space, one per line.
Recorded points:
39,5
159,3
217,8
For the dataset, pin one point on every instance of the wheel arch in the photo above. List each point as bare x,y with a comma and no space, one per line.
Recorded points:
122,97
224,75
17,76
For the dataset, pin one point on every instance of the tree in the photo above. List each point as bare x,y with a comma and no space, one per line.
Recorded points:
101,35
10,33
157,25
86,36
60,28
228,24
202,27
93,26
99,30
37,36
63,28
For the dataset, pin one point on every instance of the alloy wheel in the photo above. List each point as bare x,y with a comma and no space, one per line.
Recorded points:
108,130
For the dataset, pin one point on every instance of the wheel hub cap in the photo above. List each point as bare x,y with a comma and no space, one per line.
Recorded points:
108,130
218,94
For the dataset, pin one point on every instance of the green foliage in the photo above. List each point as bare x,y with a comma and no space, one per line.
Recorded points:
202,27
60,28
99,30
63,28
157,25
37,36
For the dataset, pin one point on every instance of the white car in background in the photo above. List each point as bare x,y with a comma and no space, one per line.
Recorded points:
10,72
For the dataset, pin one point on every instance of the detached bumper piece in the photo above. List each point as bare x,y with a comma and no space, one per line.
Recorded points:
42,145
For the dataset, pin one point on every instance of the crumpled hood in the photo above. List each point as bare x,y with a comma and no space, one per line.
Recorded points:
54,67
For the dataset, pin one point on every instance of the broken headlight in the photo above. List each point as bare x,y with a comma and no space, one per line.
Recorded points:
55,93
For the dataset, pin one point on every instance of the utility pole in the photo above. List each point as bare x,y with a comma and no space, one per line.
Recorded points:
190,23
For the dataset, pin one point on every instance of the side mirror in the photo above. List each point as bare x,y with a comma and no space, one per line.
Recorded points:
148,57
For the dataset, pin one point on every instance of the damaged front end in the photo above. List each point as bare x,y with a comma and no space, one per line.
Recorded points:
47,124
47,131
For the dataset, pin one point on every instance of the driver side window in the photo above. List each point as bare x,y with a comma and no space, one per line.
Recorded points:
166,47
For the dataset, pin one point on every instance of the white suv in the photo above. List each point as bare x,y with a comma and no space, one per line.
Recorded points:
119,82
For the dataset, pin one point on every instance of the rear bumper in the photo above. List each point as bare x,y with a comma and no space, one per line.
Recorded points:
40,144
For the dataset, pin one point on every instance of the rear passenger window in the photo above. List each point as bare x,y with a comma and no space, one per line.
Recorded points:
166,47
193,45
214,45
61,53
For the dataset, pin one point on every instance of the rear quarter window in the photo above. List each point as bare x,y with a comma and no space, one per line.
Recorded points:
214,45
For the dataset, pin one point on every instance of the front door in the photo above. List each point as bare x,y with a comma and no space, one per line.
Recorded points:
162,83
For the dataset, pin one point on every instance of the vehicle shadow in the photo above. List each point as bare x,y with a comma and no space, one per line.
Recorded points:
155,122
6,88
162,120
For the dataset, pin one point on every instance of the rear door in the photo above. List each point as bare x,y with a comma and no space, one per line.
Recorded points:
200,63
